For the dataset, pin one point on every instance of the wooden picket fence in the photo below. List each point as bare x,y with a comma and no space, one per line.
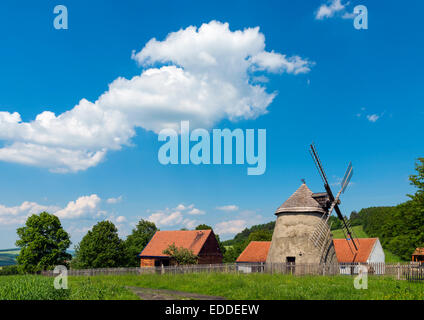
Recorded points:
404,271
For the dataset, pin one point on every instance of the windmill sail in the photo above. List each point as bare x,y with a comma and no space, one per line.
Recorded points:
317,237
347,176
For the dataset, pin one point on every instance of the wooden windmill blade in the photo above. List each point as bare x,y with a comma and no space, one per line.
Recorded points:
335,200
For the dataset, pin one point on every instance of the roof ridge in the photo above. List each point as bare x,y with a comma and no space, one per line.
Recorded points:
301,201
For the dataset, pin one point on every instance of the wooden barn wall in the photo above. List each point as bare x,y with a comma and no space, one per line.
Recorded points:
210,252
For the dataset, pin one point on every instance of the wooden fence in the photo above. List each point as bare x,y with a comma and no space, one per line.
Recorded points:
405,271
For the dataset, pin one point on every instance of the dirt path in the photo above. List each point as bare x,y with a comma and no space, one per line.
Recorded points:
156,294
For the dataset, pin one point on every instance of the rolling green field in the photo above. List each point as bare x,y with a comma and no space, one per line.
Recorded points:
360,233
230,286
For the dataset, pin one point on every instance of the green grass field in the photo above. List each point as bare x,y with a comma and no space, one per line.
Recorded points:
30,287
360,233
230,286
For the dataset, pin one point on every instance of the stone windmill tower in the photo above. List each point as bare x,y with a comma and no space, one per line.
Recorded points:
302,233
297,220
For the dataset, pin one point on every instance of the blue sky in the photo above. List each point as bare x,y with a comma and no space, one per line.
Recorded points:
357,93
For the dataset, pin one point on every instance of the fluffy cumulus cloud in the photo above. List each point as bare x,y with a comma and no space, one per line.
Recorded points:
238,222
114,200
333,8
18,214
83,207
203,74
178,216
230,227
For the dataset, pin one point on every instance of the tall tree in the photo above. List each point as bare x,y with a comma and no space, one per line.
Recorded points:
43,243
417,180
137,240
101,247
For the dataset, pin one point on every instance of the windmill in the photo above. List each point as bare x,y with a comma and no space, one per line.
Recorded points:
321,235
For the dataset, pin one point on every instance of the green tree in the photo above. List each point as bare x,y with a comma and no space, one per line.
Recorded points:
137,240
43,243
260,235
335,223
181,255
234,251
101,247
417,180
203,227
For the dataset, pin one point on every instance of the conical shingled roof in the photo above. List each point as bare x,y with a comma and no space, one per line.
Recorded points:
301,201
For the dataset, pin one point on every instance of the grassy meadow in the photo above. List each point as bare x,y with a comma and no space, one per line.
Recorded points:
33,287
230,286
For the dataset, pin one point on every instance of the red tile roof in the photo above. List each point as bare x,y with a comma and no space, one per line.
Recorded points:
192,240
344,253
256,251
418,252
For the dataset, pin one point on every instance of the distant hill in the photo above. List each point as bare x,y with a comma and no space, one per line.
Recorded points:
8,257
244,235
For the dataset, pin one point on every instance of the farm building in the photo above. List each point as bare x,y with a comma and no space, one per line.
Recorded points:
254,254
297,218
369,251
202,243
418,255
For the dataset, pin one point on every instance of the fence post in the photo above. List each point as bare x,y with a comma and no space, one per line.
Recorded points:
398,271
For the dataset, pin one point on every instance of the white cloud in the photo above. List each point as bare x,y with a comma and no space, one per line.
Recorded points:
329,9
18,214
230,227
114,200
82,207
206,76
373,117
244,219
166,219
196,211
176,217
121,219
231,207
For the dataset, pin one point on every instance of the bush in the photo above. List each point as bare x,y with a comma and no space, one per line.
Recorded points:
9,270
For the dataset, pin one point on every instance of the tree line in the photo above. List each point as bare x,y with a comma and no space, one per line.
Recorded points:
44,243
400,228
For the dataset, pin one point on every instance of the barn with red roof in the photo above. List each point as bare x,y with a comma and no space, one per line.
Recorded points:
370,251
202,243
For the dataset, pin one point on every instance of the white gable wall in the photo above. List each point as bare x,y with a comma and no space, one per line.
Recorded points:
377,253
